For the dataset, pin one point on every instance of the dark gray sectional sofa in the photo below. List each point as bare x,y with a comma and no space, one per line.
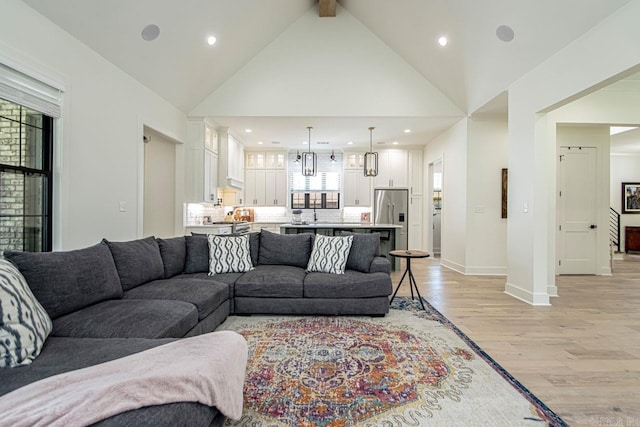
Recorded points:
118,298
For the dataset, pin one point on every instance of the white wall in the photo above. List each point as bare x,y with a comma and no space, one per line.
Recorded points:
486,242
451,147
608,49
99,149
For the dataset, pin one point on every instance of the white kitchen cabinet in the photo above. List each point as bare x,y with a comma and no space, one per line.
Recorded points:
416,206
276,160
416,174
357,188
275,187
354,160
230,161
254,160
210,180
254,188
392,169
202,162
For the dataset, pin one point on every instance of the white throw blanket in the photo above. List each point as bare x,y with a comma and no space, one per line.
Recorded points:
208,369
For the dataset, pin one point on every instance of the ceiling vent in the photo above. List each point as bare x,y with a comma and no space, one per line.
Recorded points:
322,142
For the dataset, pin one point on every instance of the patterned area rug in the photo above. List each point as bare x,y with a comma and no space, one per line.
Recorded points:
410,368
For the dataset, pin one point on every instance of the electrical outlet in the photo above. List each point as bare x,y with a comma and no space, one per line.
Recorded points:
123,206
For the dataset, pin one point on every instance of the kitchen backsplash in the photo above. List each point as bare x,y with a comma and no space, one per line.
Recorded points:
202,213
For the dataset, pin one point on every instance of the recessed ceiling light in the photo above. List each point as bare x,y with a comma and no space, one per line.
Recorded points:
407,131
350,143
505,33
150,32
259,142
395,142
442,41
211,40
248,130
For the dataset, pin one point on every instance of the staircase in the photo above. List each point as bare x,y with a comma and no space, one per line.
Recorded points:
614,228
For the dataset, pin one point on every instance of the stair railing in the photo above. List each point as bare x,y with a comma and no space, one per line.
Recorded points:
614,228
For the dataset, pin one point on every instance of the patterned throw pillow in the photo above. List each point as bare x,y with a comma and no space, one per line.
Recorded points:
24,325
229,254
330,254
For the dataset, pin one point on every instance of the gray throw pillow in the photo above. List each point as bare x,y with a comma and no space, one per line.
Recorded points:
173,252
137,261
197,260
64,282
364,248
285,249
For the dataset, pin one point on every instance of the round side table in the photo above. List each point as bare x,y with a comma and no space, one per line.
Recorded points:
408,255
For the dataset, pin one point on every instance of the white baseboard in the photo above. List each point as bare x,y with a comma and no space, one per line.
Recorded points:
473,271
526,296
486,271
452,265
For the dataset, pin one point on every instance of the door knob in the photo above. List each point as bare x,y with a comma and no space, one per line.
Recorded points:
592,226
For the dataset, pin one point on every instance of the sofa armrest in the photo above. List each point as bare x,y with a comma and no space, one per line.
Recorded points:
380,265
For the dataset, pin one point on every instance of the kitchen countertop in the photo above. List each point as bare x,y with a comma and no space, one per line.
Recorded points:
341,225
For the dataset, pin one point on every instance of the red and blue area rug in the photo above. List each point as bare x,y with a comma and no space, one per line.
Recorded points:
409,368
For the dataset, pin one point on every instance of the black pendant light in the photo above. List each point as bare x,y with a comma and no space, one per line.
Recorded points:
309,160
371,158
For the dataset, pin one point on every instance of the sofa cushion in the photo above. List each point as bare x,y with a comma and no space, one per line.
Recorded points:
206,295
329,254
364,248
351,284
229,254
129,318
137,261
64,282
197,260
270,281
173,253
24,324
285,249
228,278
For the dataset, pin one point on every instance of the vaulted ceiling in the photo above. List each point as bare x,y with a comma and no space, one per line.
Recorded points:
473,69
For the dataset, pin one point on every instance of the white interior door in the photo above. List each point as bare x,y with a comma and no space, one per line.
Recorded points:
577,227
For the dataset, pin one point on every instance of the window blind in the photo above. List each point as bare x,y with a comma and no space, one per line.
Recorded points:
25,90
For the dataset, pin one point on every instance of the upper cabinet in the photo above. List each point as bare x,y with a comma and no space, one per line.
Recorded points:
231,161
392,169
266,178
202,161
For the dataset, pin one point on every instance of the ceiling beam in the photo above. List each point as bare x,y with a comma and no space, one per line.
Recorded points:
327,8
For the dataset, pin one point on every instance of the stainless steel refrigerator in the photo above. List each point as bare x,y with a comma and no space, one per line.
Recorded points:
391,206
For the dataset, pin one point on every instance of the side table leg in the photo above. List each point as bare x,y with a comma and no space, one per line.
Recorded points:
412,282
400,283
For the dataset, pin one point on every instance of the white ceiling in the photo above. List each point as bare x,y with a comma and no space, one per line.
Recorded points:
472,70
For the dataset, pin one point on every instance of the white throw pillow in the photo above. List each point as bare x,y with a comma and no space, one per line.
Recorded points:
330,254
25,324
230,254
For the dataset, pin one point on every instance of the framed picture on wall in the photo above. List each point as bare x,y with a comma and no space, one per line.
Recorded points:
631,197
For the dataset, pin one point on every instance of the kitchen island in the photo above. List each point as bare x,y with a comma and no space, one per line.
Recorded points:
389,233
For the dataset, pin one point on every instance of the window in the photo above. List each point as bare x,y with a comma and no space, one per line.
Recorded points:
26,187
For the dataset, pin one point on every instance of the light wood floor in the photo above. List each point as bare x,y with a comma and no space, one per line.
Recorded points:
581,356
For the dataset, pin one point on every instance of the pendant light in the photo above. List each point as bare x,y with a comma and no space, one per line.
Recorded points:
298,156
309,160
371,158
